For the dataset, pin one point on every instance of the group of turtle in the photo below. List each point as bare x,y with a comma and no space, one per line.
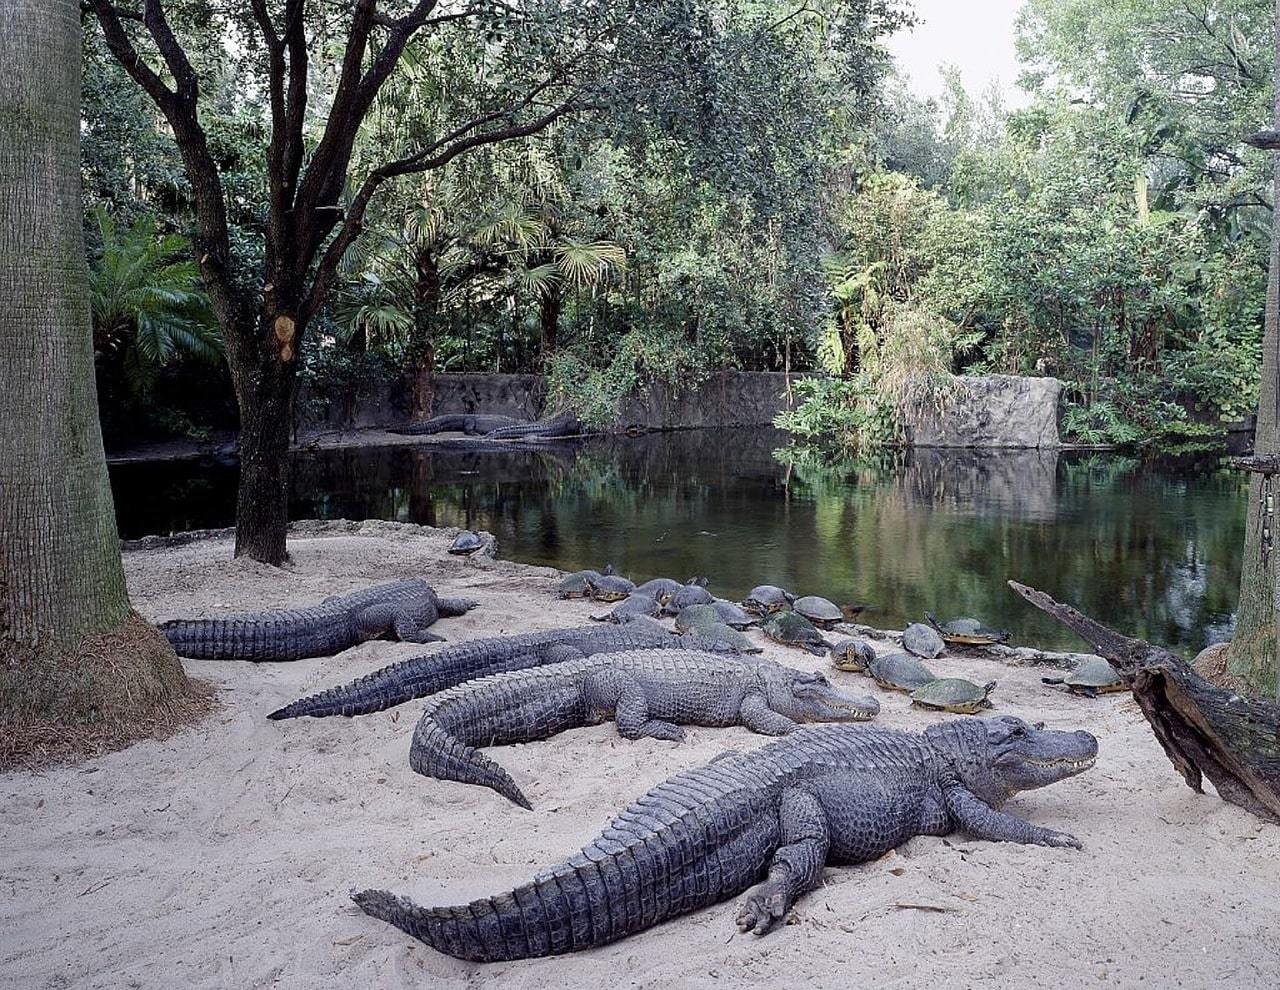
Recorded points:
801,621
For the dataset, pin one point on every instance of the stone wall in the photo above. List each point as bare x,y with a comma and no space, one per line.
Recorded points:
993,411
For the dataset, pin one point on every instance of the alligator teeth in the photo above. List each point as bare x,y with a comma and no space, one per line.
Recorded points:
1074,764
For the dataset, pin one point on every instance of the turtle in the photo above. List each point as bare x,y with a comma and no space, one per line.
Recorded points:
852,654
703,621
923,641
900,672
766,598
819,611
689,594
1090,678
609,588
660,588
732,614
793,629
966,631
630,608
575,585
954,694
466,543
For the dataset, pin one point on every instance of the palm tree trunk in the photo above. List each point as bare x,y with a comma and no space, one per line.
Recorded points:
1252,657
422,349
62,586
549,316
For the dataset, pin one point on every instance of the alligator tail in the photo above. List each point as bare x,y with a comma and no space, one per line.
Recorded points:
382,689
436,753
536,919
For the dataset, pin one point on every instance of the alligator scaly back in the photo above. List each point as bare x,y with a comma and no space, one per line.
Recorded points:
418,677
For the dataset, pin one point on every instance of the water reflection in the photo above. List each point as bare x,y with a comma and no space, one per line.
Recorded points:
1152,547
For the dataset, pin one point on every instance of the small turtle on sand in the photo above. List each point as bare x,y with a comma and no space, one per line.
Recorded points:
1091,678
466,543
634,606
966,631
852,654
766,598
822,613
954,694
732,614
575,585
660,588
609,588
792,629
923,641
900,672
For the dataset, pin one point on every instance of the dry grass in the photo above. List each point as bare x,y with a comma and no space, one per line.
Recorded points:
110,690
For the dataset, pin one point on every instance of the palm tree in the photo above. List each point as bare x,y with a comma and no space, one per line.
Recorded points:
147,302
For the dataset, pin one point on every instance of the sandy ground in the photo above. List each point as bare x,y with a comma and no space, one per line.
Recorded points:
223,857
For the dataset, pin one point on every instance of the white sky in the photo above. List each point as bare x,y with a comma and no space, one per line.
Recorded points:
974,35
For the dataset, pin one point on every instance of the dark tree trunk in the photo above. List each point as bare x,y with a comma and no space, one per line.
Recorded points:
549,317
1205,730
422,349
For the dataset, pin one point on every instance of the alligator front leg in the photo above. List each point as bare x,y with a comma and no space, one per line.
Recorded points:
979,819
374,621
757,716
612,689
796,866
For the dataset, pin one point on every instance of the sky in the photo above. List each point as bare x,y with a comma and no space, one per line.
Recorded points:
974,35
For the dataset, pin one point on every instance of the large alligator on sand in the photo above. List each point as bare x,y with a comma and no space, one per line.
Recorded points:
418,677
402,609
472,424
773,818
647,693
565,424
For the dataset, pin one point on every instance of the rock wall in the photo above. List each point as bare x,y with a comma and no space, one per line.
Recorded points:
993,411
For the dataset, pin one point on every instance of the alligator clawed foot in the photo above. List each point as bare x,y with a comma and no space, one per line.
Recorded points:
765,906
1060,840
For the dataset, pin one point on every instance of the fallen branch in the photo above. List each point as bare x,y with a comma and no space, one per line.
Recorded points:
1205,730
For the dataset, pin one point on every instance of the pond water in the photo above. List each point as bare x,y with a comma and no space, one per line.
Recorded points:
1152,547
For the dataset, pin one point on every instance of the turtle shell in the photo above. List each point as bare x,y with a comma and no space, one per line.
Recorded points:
852,654
1091,677
766,598
792,629
821,612
732,614
900,672
689,594
966,631
660,588
466,542
923,641
630,608
954,694
575,585
609,588
696,618
724,636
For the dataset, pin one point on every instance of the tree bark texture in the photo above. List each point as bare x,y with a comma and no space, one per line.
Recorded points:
422,349
549,317
71,650
60,572
1205,730
1252,658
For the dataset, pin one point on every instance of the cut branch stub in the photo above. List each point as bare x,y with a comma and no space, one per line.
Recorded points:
1205,730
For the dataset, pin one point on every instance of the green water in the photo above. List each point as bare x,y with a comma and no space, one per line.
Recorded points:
1152,547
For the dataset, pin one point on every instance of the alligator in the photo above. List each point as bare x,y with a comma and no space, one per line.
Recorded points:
420,676
765,822
566,424
401,610
472,424
647,693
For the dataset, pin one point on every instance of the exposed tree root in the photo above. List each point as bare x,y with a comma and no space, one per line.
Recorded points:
61,705
1206,731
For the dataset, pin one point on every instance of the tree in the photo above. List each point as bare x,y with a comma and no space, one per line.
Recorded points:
1252,658
71,650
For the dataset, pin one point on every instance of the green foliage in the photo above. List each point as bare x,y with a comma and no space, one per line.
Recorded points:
147,302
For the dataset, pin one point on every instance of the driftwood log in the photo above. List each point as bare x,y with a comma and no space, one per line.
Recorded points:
1205,730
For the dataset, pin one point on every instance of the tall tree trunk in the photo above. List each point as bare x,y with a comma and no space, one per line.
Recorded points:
549,309
1252,658
422,349
62,591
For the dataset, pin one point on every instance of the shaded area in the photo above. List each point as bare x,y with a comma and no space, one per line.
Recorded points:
1153,546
